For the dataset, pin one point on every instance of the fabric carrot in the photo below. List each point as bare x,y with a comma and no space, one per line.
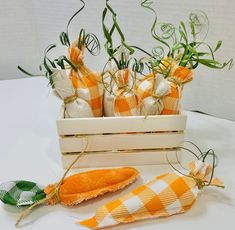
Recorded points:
70,191
88,85
165,195
150,90
122,101
178,76
75,107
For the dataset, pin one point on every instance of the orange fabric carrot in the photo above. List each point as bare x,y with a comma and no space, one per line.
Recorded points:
150,90
87,83
125,102
178,76
84,186
122,101
165,195
69,191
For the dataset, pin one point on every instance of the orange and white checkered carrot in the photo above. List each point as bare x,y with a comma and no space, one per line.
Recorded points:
150,90
179,75
144,87
165,195
125,100
87,83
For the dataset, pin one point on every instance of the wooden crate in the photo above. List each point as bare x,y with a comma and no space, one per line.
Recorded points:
121,141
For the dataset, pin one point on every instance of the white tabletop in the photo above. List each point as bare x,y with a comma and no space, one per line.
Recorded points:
29,150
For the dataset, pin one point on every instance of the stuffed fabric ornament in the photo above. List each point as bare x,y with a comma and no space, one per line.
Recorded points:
69,191
74,106
178,76
165,195
121,101
88,84
150,91
73,190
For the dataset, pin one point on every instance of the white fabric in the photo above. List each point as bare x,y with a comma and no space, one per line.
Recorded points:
200,167
174,208
107,220
133,204
26,198
8,186
108,104
152,105
64,88
158,186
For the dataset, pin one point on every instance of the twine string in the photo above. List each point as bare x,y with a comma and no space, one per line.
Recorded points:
70,99
56,190
200,182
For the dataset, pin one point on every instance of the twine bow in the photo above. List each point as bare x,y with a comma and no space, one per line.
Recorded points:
70,99
199,171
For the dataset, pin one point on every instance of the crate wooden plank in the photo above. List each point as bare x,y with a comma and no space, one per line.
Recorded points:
121,141
104,125
115,159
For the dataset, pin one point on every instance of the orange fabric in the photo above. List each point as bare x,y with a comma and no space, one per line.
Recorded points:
165,64
87,83
123,77
75,54
144,87
125,101
87,185
166,195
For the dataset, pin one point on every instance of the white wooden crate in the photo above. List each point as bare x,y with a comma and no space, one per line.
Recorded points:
121,141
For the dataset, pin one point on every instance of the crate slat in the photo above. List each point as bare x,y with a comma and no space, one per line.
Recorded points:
114,159
121,141
142,141
104,125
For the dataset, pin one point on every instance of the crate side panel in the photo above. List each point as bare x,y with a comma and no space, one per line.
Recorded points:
122,159
121,124
121,142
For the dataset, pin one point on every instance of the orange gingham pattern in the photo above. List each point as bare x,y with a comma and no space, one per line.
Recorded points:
144,87
164,196
171,102
89,89
125,101
76,55
87,83
122,77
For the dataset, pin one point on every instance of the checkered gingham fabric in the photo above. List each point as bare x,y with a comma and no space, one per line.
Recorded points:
125,101
179,76
150,91
144,87
87,83
166,195
21,193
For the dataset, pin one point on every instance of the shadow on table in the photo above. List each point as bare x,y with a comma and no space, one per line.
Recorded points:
35,215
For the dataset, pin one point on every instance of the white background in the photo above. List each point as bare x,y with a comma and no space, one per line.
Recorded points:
28,26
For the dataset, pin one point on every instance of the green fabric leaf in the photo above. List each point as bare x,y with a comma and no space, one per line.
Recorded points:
21,193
